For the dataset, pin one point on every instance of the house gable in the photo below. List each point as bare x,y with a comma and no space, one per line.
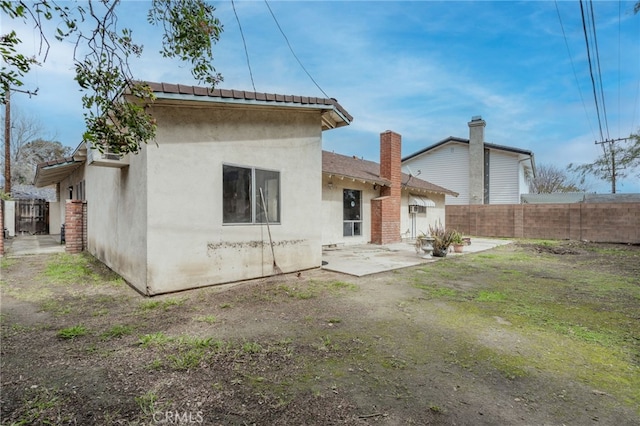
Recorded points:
488,173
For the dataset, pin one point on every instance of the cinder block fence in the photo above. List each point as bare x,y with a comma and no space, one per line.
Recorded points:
598,222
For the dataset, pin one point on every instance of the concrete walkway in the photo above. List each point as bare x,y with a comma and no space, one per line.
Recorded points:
367,259
23,245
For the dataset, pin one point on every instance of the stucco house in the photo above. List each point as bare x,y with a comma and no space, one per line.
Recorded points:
188,212
364,201
480,172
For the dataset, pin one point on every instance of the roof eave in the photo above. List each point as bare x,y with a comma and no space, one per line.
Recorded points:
370,181
53,172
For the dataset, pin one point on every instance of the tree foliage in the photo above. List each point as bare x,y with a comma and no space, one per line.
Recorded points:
28,148
101,59
31,154
619,159
550,179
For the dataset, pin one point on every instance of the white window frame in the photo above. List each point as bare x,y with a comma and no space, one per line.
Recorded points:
254,197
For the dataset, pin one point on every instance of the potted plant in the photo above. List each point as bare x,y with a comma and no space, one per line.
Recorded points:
424,245
442,239
457,241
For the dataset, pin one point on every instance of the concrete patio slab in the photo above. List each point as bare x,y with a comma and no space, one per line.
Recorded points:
367,259
23,245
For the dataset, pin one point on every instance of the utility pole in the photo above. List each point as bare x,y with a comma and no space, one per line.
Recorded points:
612,150
7,140
7,134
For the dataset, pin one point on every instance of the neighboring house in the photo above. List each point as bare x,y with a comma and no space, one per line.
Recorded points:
364,201
480,172
188,212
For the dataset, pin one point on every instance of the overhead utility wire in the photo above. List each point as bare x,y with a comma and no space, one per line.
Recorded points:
573,67
636,103
593,83
595,43
291,49
611,169
619,61
246,52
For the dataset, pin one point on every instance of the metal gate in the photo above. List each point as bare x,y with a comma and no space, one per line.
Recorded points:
32,217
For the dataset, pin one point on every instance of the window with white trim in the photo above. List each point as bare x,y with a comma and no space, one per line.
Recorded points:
243,192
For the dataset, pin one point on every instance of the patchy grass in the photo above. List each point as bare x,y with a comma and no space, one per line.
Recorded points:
118,331
149,305
209,319
154,339
578,321
42,405
66,269
73,332
550,326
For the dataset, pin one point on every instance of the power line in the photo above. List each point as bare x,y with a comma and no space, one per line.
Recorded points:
246,52
595,43
593,83
291,49
619,60
573,67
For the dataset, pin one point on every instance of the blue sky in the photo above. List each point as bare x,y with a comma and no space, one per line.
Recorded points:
422,69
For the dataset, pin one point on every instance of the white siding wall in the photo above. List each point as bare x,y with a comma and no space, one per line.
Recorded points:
503,178
446,166
522,178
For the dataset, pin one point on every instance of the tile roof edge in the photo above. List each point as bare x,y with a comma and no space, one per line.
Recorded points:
246,95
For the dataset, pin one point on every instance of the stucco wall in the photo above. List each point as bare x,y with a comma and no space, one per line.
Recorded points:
55,220
332,211
116,217
433,216
188,245
9,216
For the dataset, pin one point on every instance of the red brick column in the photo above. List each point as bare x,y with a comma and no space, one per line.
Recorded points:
84,225
1,228
73,226
385,210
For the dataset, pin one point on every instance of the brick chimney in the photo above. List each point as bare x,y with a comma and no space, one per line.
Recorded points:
476,160
385,210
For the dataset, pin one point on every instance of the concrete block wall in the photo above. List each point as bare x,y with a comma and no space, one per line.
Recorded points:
547,221
74,226
599,222
619,222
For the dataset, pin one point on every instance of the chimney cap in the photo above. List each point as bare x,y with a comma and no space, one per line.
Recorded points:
476,118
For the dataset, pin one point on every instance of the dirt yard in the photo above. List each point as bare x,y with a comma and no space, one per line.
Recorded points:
530,333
